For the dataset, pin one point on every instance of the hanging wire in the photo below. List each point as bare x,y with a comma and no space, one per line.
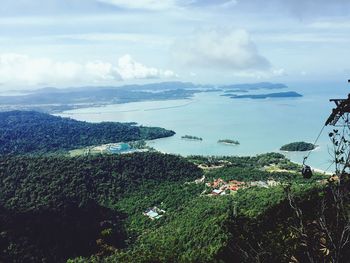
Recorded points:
318,136
329,166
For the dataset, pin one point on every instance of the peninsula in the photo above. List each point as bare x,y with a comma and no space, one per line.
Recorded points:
29,132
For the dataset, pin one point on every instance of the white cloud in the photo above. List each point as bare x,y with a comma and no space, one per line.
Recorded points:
142,4
18,69
220,49
160,5
101,71
22,69
168,74
128,68
278,72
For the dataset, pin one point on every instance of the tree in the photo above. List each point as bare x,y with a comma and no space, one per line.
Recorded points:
326,235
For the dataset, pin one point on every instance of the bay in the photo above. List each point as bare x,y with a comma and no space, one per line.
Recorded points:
259,125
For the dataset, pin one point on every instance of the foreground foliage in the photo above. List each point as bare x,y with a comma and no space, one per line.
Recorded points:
90,209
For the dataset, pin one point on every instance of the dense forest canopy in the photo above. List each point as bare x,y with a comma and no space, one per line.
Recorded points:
57,207
91,209
23,132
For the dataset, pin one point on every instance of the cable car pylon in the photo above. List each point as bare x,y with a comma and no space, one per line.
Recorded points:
341,111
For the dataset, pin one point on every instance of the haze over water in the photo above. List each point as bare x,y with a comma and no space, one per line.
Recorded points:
259,125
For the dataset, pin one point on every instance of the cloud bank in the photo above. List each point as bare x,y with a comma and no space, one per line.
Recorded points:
18,69
130,69
223,49
160,5
142,4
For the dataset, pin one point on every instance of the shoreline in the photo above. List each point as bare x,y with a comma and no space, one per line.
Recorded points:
315,169
228,143
315,149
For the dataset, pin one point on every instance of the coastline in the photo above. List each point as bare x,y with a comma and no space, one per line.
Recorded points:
317,147
208,126
315,169
228,143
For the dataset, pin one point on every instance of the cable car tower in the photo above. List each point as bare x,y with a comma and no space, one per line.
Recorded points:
340,136
343,108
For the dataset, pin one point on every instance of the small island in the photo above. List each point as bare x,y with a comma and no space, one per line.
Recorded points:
190,137
288,94
236,90
298,147
229,141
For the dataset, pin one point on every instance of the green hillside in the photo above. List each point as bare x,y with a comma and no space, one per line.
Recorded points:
23,132
92,209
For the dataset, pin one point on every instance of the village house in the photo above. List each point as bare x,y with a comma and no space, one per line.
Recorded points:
220,187
218,192
154,213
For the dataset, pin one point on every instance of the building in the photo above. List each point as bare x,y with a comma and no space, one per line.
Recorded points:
220,187
217,192
154,213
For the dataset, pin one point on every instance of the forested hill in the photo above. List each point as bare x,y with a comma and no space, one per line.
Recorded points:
53,208
100,178
92,209
24,132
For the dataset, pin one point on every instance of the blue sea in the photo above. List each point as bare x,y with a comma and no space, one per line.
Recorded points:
259,125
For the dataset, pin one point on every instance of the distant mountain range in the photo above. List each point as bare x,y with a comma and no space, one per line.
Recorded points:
52,99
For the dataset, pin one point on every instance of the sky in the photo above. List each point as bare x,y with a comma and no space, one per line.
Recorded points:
114,42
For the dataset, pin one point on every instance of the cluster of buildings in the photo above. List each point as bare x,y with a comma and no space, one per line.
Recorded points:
111,148
220,187
265,184
154,213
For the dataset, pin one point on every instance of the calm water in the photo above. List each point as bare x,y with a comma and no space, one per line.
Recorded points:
259,125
